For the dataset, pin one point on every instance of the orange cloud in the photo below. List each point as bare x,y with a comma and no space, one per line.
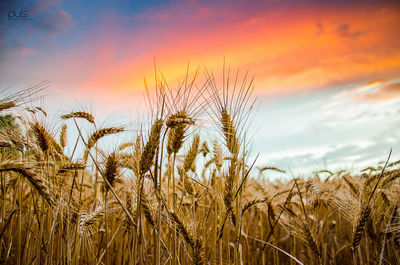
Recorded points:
387,91
288,50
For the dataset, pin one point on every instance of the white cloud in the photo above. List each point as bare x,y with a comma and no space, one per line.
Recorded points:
335,131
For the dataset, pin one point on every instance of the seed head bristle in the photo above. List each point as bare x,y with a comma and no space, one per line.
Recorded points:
41,139
191,155
71,166
147,157
146,209
204,149
371,230
45,141
137,154
125,145
182,229
176,136
272,168
79,114
351,185
111,169
180,118
360,226
7,222
29,175
199,252
186,183
101,133
7,105
229,131
63,136
271,211
87,220
311,242
5,144
253,202
385,199
177,124
126,161
42,111
392,177
218,156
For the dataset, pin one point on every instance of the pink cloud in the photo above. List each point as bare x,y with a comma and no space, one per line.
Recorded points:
288,50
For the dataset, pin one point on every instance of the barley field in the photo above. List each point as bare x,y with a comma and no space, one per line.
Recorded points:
178,194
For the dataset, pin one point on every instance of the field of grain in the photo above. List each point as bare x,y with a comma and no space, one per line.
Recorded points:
177,194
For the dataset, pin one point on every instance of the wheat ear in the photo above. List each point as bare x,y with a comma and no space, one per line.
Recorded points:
149,151
29,175
63,136
360,226
79,114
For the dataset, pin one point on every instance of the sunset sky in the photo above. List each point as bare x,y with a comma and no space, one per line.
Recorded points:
327,73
